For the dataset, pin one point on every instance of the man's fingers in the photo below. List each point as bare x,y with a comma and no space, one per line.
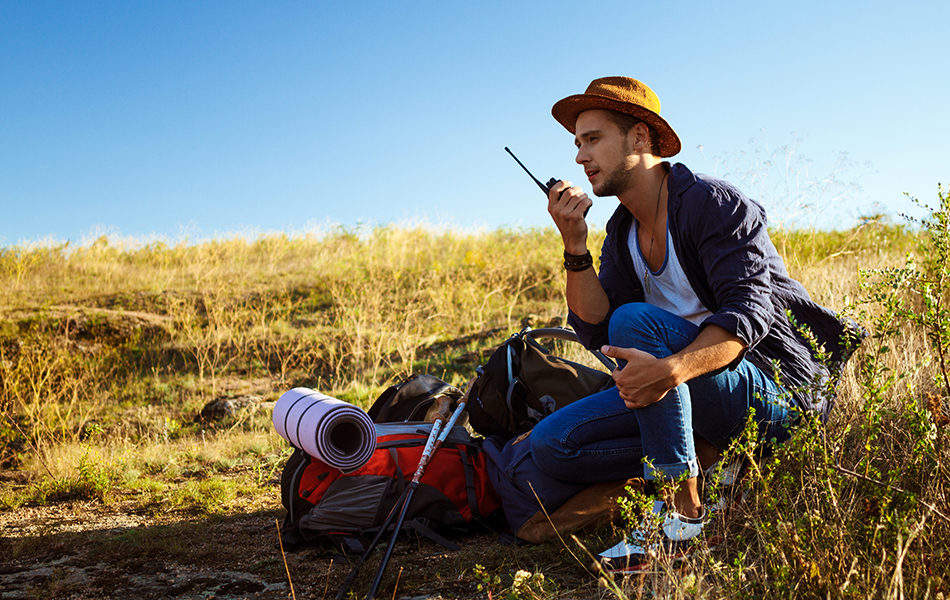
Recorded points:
581,203
575,200
565,198
555,194
621,353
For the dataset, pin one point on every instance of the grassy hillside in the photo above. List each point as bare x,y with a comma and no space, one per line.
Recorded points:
108,354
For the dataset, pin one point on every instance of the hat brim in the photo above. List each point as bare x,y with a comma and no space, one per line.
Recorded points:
567,110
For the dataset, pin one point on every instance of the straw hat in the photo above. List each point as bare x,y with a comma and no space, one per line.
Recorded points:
625,95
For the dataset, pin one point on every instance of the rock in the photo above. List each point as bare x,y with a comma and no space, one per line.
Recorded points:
225,408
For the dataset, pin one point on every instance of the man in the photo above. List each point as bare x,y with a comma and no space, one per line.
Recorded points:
692,300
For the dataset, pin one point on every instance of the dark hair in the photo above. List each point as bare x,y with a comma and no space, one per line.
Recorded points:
627,122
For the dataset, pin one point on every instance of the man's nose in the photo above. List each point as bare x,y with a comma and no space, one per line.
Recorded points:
581,157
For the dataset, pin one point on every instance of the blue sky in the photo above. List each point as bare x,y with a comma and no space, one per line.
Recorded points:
198,119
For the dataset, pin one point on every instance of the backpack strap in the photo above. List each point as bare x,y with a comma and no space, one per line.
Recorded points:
509,354
291,487
422,529
400,476
511,390
471,455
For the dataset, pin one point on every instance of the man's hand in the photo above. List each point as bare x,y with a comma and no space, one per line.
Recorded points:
644,380
567,205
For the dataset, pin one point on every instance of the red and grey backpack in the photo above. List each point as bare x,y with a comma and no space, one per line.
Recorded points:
345,510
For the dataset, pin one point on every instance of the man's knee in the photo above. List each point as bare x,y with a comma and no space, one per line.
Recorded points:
649,328
632,312
545,450
630,323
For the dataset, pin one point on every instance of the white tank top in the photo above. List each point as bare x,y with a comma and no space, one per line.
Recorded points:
667,288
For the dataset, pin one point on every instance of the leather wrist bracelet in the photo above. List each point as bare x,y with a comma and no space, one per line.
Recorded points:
578,262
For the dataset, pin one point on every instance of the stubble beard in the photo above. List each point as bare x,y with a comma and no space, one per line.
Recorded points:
615,182
619,178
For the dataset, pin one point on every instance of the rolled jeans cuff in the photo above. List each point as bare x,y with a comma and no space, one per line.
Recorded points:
672,471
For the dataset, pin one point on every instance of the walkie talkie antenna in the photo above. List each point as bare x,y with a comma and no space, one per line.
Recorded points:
544,188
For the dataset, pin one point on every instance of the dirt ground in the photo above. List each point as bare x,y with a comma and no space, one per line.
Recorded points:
85,550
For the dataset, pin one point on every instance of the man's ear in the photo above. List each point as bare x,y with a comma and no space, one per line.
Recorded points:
639,137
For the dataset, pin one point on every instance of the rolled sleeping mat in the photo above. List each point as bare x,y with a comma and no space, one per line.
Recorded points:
338,433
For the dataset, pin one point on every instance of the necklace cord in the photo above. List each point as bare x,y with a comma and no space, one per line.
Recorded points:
656,214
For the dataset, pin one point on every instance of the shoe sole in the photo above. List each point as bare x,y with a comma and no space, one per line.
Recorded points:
678,557
711,544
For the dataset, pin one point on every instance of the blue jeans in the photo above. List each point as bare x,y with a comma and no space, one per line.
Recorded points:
599,439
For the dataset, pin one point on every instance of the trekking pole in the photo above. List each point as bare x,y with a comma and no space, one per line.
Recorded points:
405,507
445,403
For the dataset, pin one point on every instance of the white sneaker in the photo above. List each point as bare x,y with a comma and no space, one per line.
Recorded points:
652,538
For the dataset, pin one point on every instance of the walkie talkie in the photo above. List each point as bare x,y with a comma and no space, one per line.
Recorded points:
544,188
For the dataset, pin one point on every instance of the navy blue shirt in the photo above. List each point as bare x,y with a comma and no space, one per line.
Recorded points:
722,242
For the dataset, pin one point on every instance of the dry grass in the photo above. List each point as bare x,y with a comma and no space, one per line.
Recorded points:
108,353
